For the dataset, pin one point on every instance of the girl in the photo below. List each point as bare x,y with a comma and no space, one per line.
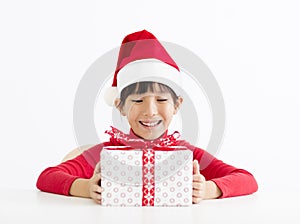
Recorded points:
147,79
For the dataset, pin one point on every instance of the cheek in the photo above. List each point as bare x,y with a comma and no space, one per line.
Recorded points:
168,112
131,115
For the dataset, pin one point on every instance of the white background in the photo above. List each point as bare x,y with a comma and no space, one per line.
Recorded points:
252,48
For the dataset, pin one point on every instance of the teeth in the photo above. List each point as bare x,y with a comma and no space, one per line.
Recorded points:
150,124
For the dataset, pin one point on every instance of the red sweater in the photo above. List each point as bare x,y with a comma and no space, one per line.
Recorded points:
231,181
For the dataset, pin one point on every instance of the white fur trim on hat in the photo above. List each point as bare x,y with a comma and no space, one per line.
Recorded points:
149,70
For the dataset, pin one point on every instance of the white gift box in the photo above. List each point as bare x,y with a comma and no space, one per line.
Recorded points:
161,176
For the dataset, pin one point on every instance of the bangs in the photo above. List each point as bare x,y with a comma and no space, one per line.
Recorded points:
144,87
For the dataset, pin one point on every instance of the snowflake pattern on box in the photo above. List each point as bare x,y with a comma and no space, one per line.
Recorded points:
146,177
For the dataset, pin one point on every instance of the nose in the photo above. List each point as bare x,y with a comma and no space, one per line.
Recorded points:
150,107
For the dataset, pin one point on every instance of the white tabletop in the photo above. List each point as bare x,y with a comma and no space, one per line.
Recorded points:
18,206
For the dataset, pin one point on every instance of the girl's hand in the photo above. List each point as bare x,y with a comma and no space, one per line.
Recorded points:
93,185
199,183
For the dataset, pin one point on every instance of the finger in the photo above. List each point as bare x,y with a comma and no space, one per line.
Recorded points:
98,176
97,168
96,189
196,178
199,178
196,167
197,186
198,193
202,179
97,179
97,198
98,201
196,200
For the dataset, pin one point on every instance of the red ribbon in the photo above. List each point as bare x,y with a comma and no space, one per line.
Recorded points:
127,140
148,177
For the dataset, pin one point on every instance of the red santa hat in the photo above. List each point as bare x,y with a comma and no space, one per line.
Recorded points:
142,58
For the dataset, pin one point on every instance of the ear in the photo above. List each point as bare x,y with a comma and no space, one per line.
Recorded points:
117,103
177,104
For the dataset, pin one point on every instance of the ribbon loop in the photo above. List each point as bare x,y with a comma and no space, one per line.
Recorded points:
127,140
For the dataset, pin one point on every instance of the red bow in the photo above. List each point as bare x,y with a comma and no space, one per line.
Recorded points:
126,140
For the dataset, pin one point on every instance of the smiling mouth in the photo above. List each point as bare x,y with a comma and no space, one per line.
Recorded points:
150,124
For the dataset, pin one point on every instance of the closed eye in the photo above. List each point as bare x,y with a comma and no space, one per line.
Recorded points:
137,101
162,100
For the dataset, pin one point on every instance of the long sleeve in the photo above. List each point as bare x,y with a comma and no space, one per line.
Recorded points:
232,181
58,179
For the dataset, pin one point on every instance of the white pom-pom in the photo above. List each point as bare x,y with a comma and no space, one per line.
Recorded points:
110,95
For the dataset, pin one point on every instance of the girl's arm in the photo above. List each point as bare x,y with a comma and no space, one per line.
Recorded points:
223,178
232,183
60,178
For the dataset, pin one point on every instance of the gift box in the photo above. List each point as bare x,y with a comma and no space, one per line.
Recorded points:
159,176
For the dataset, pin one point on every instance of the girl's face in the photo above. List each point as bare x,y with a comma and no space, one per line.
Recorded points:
149,114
